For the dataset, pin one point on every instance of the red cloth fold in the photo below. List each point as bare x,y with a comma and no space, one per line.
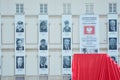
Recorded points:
94,67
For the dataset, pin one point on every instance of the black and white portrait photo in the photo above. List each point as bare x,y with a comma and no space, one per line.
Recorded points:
66,61
43,44
112,43
66,43
114,58
19,44
43,26
19,62
66,28
84,50
96,50
112,25
43,62
20,26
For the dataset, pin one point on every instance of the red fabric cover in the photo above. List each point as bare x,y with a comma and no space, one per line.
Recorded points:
94,67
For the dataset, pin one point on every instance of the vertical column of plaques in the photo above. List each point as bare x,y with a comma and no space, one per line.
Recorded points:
89,34
43,45
113,36
19,44
0,46
66,44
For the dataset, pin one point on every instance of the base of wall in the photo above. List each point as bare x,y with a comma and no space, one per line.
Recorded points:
42,77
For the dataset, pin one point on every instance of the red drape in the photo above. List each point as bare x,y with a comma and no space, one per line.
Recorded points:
94,67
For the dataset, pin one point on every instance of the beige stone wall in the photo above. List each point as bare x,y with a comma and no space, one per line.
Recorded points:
55,7
55,41
55,11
